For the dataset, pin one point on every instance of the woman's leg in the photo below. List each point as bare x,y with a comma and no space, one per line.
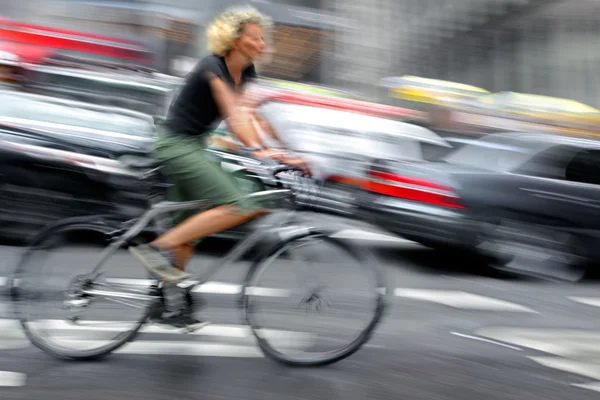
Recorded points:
196,178
205,224
183,255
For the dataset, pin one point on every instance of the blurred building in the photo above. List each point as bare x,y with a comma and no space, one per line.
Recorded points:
547,47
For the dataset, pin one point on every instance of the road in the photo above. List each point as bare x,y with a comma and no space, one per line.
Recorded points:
451,333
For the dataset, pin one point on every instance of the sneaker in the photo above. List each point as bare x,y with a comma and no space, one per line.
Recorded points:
160,263
179,318
182,319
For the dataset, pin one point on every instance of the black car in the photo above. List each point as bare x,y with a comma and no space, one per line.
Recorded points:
62,158
528,203
102,83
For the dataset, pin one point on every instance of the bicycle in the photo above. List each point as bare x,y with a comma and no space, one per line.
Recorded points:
281,230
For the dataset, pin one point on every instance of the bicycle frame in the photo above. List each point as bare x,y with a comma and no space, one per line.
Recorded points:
280,218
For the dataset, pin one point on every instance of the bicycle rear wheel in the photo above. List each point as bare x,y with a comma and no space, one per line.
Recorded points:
73,329
297,286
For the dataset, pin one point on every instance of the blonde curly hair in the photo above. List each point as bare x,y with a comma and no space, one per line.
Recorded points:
228,27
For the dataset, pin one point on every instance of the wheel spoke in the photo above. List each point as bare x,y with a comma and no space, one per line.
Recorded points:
50,292
313,304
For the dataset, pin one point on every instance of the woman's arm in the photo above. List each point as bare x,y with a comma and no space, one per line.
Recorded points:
237,119
267,127
239,122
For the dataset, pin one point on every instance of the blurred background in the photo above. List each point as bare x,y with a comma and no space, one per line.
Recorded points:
456,138
542,47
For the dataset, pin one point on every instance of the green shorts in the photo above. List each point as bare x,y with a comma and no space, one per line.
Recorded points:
195,177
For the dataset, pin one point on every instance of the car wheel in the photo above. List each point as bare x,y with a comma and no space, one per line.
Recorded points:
535,250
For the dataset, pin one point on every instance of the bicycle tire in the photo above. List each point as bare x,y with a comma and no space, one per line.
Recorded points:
101,226
364,256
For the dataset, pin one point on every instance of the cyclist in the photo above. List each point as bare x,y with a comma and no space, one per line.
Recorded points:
212,92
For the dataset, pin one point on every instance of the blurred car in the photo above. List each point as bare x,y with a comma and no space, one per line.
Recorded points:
431,96
102,83
66,41
13,56
65,158
502,111
81,66
527,202
339,137
61,158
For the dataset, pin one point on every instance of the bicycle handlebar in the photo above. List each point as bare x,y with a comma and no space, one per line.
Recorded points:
276,169
303,184
272,166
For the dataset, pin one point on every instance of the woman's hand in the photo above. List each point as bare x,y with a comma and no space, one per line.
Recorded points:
270,153
283,157
297,162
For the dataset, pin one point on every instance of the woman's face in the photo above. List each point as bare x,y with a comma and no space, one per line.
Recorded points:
251,42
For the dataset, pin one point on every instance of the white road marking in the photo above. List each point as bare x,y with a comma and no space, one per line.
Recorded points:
147,347
65,333
485,340
583,368
573,351
594,386
371,236
571,343
12,379
218,288
210,287
3,281
590,301
462,300
229,331
11,335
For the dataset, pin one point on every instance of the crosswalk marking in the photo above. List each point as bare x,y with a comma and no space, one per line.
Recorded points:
594,386
222,331
560,342
148,347
12,379
575,351
208,287
243,341
583,368
211,287
590,301
485,340
372,236
460,299
11,335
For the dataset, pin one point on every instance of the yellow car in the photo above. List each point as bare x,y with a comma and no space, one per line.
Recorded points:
543,108
422,93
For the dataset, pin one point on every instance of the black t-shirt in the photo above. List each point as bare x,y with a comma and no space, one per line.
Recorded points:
194,111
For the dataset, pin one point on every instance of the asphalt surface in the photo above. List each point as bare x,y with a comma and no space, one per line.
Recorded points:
451,333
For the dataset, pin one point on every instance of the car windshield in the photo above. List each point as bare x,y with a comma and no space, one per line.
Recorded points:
52,115
494,152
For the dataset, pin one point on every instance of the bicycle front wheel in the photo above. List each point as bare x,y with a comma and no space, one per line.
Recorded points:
67,312
314,300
